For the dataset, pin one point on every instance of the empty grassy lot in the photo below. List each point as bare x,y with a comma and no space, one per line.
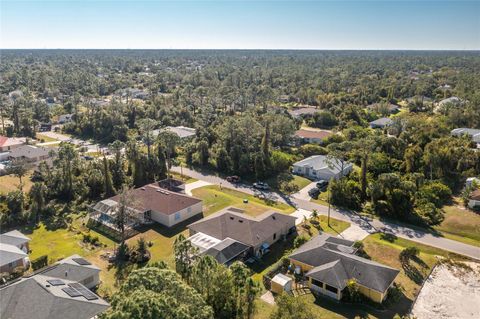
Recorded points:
10,183
461,224
215,199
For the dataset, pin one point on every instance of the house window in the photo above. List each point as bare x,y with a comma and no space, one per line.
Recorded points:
274,236
177,216
189,210
317,283
331,289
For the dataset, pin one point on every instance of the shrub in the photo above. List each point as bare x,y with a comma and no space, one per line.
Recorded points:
299,241
408,253
40,262
352,292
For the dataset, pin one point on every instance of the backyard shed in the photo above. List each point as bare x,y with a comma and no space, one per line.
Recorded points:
281,283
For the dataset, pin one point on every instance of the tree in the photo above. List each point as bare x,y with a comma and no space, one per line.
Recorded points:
184,253
155,293
291,307
108,184
19,168
124,211
37,196
117,167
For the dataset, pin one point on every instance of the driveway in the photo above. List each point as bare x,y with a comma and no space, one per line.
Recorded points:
303,193
367,225
191,186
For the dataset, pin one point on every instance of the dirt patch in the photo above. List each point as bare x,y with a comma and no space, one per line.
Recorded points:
451,291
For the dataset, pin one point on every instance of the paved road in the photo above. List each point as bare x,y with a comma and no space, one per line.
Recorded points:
367,224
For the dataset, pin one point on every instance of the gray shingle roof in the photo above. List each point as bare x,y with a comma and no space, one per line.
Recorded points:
30,298
68,269
334,263
318,162
10,253
29,151
14,237
243,228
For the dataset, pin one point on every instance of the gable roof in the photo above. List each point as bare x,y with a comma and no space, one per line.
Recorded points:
302,133
14,237
472,132
29,151
153,198
302,111
384,121
248,230
9,141
318,162
34,297
10,253
334,262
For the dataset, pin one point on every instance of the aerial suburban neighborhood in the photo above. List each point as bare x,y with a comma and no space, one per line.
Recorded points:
239,160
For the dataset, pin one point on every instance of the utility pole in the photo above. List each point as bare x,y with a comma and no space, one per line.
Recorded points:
329,199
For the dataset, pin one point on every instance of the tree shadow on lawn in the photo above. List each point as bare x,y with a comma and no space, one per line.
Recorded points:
169,231
412,272
357,310
277,251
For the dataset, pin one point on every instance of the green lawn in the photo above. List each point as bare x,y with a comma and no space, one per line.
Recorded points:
215,199
43,138
185,178
274,182
300,181
461,224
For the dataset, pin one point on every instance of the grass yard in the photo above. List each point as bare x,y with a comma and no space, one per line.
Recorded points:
335,228
299,181
460,224
184,178
322,199
215,199
44,138
10,183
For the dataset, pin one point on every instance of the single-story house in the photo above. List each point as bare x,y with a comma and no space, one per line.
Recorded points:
10,143
311,136
302,111
230,234
30,153
53,294
384,108
13,251
183,132
12,257
65,118
474,134
329,263
381,123
322,167
16,239
153,204
474,199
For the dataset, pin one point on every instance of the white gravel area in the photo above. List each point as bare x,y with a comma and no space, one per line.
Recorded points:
450,292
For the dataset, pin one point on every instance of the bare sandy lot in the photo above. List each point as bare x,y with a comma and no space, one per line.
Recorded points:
450,292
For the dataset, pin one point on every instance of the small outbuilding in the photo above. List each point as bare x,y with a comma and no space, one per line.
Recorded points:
281,283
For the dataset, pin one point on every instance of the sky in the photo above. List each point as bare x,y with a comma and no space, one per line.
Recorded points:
230,24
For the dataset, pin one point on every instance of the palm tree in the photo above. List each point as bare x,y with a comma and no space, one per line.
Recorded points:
124,211
37,196
314,214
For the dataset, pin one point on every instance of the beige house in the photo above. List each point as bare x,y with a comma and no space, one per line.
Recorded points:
241,231
153,204
10,143
329,263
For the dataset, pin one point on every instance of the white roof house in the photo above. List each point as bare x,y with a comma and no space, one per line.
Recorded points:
181,131
10,254
14,238
381,122
473,133
322,167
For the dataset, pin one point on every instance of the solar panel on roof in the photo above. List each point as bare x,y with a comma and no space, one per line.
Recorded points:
55,282
83,291
76,285
72,292
81,261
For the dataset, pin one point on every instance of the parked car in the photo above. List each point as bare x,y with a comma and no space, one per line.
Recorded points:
314,192
322,184
233,179
261,185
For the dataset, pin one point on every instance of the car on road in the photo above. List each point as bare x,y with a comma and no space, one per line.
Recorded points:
233,179
261,185
322,184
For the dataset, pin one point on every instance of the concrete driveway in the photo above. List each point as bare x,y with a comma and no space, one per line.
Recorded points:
191,186
303,193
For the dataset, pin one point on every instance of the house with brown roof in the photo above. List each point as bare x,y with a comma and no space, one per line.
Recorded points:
152,204
311,136
231,232
329,263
